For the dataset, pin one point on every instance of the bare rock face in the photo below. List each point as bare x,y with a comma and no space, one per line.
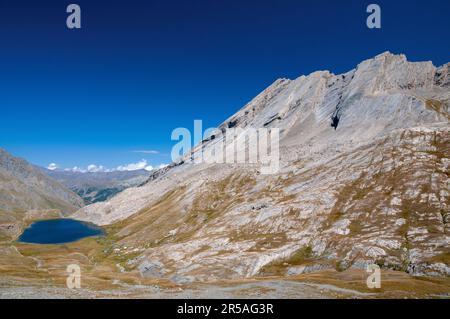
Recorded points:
364,178
442,76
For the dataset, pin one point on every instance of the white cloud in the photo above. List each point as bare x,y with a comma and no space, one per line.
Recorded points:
76,169
162,165
52,166
142,164
95,169
146,152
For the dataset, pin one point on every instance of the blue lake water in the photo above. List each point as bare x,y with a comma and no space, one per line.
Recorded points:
59,231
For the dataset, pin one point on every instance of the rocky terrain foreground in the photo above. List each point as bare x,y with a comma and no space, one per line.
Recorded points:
372,189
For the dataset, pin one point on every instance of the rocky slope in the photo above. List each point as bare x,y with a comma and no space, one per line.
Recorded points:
24,190
98,186
373,188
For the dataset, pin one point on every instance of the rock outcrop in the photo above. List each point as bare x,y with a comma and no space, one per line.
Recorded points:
363,178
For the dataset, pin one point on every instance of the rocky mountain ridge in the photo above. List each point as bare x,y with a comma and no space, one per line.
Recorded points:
364,178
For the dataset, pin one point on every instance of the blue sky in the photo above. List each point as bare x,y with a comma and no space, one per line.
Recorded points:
138,69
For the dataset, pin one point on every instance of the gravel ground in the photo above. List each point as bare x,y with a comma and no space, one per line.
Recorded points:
261,289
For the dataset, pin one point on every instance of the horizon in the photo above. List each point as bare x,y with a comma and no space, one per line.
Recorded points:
110,93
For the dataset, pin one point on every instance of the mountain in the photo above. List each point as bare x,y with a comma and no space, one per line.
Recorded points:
25,190
98,186
363,178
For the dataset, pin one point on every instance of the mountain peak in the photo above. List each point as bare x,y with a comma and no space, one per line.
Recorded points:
388,54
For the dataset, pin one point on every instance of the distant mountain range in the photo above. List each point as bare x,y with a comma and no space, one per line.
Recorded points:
32,192
98,186
24,189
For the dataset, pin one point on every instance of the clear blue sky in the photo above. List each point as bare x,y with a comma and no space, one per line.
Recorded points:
138,69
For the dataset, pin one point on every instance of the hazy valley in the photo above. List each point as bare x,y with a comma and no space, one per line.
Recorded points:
98,186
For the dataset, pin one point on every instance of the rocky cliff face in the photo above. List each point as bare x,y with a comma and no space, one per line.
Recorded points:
364,178
25,190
